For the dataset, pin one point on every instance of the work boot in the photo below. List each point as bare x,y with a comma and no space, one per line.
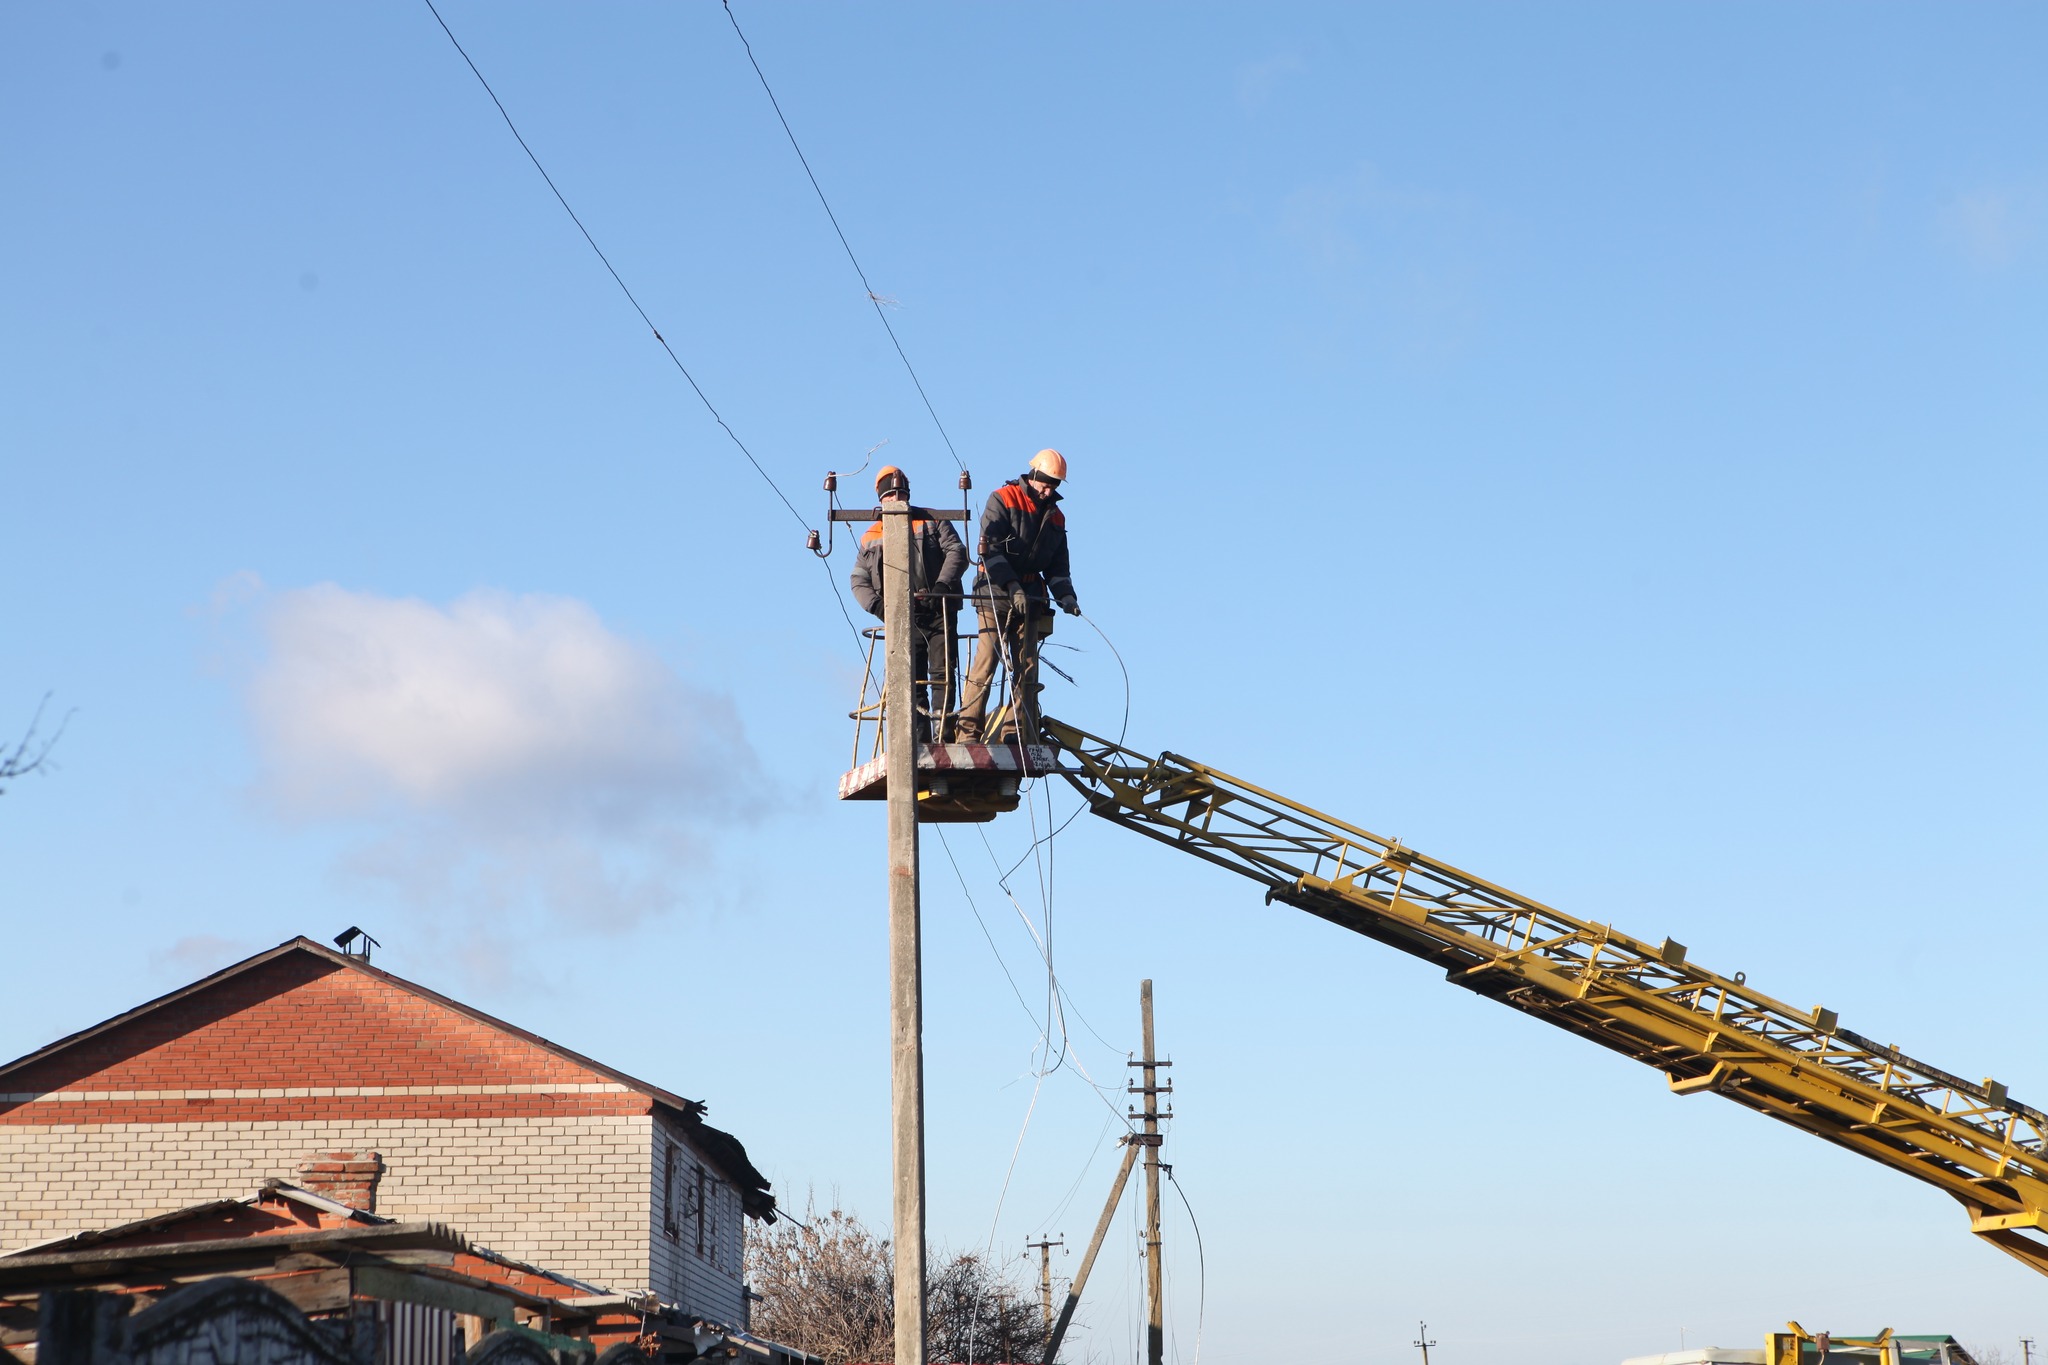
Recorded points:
967,731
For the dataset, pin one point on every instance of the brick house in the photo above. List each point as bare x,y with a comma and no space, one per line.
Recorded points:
310,1066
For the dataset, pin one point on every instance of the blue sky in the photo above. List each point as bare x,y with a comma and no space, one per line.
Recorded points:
1597,444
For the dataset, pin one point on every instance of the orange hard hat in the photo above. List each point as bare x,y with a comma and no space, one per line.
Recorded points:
888,477
1050,463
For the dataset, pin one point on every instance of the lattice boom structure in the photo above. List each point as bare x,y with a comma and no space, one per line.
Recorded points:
1706,1032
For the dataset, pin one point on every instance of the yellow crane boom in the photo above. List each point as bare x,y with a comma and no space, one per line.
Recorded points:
1704,1031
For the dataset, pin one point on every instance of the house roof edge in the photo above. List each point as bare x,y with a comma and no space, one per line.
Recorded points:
722,1147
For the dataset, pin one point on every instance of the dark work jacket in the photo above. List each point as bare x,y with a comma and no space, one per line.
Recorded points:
1023,544
937,560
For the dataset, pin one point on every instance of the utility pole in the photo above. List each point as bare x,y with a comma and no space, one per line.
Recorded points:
1044,1249
1149,1139
1422,1341
906,985
2026,1351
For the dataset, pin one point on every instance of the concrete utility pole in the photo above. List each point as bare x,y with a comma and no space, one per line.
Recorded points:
2026,1351
1155,1272
906,985
1422,1341
1044,1249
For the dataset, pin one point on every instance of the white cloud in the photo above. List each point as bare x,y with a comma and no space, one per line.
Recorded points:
502,753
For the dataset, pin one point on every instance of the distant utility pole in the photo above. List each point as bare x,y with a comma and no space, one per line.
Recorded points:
1149,1139
1044,1249
2026,1351
1422,1341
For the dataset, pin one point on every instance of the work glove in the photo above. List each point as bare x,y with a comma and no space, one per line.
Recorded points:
1070,606
1020,604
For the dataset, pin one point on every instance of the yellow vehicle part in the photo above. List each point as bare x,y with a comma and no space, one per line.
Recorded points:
1705,1031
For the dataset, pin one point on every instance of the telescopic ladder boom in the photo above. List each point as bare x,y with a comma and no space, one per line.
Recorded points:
1706,1032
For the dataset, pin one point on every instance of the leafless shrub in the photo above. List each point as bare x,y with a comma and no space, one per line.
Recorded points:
977,1314
827,1287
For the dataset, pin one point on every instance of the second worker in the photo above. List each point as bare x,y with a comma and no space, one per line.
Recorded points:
1022,558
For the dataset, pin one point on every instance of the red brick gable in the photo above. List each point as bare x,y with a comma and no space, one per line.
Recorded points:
299,1021
303,1036
303,1033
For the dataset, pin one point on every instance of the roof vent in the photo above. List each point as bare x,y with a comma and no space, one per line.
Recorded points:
348,939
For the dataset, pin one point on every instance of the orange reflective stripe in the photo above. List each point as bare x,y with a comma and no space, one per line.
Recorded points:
874,531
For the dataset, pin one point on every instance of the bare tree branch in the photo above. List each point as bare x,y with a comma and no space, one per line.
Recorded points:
829,1289
31,753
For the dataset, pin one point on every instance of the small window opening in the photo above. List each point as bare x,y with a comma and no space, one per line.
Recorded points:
670,1224
703,1178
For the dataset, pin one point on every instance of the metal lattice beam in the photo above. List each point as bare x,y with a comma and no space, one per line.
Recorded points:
1706,1032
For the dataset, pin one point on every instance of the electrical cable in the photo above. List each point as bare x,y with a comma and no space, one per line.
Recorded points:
1201,1264
1126,672
1050,1219
1122,731
873,298
1045,923
1011,1169
840,597
617,279
1000,962
1067,1053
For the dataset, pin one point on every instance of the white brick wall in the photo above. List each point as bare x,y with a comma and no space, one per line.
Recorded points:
569,1194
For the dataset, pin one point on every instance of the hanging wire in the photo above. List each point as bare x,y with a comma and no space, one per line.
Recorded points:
1011,1169
840,597
1201,1265
1057,993
676,360
1086,1166
1125,727
1000,961
873,298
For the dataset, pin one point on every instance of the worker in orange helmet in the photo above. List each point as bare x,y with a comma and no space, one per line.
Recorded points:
1023,571
938,561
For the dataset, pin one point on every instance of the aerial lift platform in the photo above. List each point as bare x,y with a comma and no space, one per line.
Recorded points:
956,783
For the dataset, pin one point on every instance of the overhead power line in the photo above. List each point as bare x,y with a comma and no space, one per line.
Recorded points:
873,298
674,359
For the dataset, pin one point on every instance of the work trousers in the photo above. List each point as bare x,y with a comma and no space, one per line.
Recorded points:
934,664
1010,638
